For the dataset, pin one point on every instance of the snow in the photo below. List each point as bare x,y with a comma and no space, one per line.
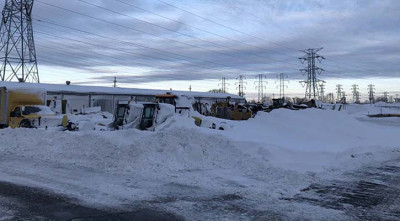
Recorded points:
262,160
44,110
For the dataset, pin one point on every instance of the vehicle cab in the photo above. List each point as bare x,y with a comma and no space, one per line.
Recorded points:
28,116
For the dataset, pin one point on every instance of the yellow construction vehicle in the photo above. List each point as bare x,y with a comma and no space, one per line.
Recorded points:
25,108
141,116
231,111
166,98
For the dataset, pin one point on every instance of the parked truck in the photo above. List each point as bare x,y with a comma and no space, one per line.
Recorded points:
25,108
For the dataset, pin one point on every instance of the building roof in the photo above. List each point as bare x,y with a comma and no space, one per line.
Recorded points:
82,89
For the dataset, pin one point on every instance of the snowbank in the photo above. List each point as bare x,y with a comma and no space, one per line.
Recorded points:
262,160
305,140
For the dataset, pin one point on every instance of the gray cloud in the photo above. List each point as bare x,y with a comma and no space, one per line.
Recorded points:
360,38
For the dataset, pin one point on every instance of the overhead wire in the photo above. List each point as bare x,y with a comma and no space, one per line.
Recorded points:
184,34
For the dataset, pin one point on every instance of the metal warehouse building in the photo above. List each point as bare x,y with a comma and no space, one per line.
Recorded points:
74,98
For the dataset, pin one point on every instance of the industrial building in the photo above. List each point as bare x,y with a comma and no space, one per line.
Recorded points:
72,99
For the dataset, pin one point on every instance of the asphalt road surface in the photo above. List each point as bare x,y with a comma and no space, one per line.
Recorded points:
370,193
27,203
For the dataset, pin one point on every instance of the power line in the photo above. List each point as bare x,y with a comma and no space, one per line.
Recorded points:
134,44
145,32
191,26
141,30
225,26
131,43
339,63
130,28
123,51
183,34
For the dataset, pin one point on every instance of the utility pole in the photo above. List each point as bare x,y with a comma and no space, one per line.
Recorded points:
260,87
115,81
241,84
371,92
311,71
282,85
17,48
356,94
223,85
339,92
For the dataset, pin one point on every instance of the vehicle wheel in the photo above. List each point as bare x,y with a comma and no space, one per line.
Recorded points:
25,124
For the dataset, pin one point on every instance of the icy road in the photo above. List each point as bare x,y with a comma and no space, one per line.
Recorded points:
286,165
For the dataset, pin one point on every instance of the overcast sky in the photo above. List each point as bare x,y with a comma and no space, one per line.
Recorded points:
173,44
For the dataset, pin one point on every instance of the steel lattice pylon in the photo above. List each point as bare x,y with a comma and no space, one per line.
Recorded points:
17,52
311,71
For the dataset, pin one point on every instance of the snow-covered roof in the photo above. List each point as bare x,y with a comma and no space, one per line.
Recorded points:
63,88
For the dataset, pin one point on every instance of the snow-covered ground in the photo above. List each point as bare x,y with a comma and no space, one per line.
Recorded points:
247,171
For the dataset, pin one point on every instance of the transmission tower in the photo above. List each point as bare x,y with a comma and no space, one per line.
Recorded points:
223,85
311,70
17,47
339,92
371,92
260,86
322,91
282,85
386,97
330,97
241,84
356,94
344,98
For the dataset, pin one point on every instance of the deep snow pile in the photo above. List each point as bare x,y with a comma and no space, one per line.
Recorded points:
300,140
264,159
